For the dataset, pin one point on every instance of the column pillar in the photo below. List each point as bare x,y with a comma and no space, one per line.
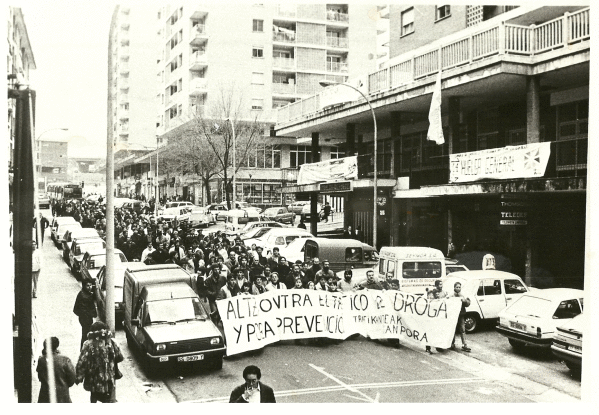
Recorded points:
454,124
533,118
350,139
314,195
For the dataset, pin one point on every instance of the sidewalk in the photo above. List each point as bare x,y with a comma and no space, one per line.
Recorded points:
53,316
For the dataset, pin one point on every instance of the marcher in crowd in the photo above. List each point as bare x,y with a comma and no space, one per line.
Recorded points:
64,373
36,267
325,272
258,286
230,289
461,327
274,283
371,283
97,365
346,284
252,391
85,308
435,294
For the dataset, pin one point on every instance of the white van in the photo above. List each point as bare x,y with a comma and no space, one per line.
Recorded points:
236,219
416,268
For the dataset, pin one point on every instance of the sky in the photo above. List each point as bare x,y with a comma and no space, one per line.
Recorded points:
70,43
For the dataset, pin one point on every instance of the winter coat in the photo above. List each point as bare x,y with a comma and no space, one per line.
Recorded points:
96,365
64,378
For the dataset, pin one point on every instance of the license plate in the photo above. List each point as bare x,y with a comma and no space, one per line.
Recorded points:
193,358
517,326
575,348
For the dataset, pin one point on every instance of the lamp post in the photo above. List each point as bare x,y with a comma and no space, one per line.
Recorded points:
326,83
234,165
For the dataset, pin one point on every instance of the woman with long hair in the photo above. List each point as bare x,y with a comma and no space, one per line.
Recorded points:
97,365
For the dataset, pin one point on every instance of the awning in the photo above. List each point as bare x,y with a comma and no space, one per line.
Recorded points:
355,184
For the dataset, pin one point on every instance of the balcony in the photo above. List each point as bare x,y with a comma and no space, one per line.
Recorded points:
123,99
124,68
198,15
500,41
336,16
123,129
337,42
125,25
197,110
283,63
198,61
287,36
337,67
123,114
198,35
283,88
124,53
286,11
198,86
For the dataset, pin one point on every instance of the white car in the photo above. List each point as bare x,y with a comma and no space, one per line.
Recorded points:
279,237
489,291
253,225
200,217
532,320
181,214
567,343
55,233
169,205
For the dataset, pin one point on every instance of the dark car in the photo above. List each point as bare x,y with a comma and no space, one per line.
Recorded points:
279,214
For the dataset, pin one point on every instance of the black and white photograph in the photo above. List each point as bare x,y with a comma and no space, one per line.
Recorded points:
300,202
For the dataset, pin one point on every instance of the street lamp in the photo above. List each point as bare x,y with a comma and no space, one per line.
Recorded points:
234,165
326,83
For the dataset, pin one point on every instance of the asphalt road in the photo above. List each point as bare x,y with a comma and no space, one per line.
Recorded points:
362,370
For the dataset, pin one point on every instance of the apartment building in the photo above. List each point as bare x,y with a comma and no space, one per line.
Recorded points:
267,55
511,176
131,60
54,160
19,61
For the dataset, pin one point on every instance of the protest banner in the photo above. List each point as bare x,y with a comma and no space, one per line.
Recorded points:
252,322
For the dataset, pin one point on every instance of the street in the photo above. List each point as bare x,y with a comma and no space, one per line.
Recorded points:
355,370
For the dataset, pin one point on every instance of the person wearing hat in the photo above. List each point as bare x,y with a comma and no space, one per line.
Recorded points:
346,283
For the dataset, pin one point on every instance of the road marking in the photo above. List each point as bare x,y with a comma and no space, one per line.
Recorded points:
326,389
334,379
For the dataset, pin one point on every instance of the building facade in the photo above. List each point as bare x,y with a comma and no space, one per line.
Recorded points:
19,61
54,160
131,60
510,177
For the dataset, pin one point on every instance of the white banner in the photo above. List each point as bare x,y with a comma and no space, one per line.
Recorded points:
512,162
252,322
435,128
345,168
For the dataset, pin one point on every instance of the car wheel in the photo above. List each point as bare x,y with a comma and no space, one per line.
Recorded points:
574,368
518,345
150,367
471,321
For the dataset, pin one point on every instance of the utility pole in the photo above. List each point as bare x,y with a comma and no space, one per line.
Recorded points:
110,233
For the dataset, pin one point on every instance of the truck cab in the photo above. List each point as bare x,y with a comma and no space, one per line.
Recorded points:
165,319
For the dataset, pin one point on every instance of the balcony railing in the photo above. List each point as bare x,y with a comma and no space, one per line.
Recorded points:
281,88
197,110
336,16
336,67
337,42
123,67
198,86
197,60
284,10
287,37
283,63
500,39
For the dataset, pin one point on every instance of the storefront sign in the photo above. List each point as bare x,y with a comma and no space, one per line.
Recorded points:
252,322
335,187
514,210
527,160
335,169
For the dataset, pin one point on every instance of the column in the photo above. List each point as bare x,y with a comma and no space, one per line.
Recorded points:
350,139
314,195
533,119
396,143
454,124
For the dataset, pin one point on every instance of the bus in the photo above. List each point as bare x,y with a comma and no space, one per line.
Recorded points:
65,190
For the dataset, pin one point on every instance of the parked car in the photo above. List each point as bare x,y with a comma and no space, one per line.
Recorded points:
218,211
246,206
180,214
60,225
119,277
256,233
72,234
567,342
532,320
236,219
279,214
342,254
78,250
251,226
169,205
95,259
297,206
306,214
490,291
453,265
135,206
199,217
278,237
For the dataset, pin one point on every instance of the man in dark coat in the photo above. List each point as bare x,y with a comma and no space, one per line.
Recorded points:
85,308
252,391
64,373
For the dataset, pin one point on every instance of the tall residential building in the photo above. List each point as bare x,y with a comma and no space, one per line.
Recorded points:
19,61
271,54
131,75
54,160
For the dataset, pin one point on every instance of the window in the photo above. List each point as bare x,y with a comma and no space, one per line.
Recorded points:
489,287
257,25
257,78
337,153
567,309
353,254
442,12
300,155
407,21
421,270
514,287
257,103
257,52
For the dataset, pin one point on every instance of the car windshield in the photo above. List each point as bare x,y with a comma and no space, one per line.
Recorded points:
98,261
174,311
271,211
532,306
81,249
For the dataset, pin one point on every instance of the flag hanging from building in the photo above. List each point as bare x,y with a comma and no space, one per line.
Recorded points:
435,128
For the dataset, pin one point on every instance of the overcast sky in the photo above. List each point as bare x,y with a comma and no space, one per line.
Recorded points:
70,43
